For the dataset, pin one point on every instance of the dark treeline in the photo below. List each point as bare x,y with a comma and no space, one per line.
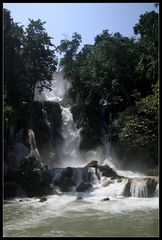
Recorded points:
116,78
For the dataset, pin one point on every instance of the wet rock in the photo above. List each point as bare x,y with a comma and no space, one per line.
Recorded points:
112,178
107,171
106,182
64,187
93,163
79,198
151,184
43,199
126,191
105,199
83,187
119,180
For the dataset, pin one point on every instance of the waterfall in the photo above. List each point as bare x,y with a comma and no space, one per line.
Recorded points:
57,93
157,190
80,175
68,149
33,148
95,175
138,188
70,134
115,189
45,116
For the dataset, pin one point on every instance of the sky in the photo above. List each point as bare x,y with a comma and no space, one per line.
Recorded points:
87,19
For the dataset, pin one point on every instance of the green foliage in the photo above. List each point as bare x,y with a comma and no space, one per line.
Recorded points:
39,58
138,127
30,166
28,177
104,72
148,50
28,60
120,75
69,48
13,42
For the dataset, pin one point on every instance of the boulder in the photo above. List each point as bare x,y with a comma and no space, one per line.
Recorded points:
151,184
83,187
107,171
119,180
92,163
105,199
79,197
126,191
43,199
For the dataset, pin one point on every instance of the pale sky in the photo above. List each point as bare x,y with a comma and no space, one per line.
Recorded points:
88,19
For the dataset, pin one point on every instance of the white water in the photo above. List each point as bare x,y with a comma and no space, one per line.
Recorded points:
33,148
58,90
138,188
70,150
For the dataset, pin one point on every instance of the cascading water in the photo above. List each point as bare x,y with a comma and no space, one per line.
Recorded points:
138,188
45,116
70,150
33,148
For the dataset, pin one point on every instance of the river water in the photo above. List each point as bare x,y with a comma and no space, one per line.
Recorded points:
64,215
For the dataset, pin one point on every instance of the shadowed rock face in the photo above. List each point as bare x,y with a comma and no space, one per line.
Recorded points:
83,187
93,163
105,170
151,184
46,124
87,120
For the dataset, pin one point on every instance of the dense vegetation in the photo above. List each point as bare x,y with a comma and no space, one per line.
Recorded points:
116,76
28,60
120,75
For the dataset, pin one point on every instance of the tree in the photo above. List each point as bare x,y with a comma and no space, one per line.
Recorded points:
40,60
28,60
137,127
148,45
13,60
69,48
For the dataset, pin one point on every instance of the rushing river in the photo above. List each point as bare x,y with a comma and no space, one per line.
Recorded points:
63,215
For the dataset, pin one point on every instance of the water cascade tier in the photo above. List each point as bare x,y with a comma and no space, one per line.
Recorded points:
105,180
